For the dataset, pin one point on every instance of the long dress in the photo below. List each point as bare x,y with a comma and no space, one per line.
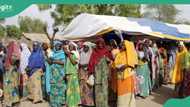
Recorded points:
34,86
152,67
24,58
113,81
143,73
73,89
11,76
99,57
125,78
47,75
155,67
11,89
177,73
86,90
36,66
57,81
101,83
87,97
186,80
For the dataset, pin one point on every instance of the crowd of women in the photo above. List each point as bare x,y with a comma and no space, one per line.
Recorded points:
90,74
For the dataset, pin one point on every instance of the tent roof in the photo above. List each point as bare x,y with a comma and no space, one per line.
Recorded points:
88,25
40,37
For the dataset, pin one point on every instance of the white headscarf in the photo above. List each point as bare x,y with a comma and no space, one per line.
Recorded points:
85,56
25,54
181,43
75,52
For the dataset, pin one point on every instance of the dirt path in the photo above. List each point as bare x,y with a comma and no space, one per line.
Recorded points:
157,99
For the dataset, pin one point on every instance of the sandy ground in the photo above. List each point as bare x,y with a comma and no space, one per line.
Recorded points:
157,99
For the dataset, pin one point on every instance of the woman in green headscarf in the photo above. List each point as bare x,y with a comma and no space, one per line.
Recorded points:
73,89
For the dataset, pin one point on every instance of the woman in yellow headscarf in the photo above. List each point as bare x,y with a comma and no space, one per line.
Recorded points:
177,74
125,62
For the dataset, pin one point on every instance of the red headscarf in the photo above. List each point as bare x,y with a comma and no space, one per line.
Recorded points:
97,54
13,49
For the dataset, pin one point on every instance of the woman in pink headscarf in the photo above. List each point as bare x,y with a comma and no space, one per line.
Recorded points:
11,76
99,67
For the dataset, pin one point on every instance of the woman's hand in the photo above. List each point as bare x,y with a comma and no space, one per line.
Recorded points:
67,77
122,68
67,52
49,61
25,77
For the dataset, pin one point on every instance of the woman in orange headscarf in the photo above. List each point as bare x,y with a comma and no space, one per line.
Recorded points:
125,62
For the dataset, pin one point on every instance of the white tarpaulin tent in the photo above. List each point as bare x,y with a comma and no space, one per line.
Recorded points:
181,28
87,25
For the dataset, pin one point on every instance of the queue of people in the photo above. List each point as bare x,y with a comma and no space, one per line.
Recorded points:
90,74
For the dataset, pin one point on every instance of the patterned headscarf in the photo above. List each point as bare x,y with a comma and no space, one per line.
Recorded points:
85,56
13,53
97,54
75,52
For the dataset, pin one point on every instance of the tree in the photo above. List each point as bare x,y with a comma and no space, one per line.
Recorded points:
2,20
65,13
31,25
130,10
166,13
2,31
43,7
13,31
183,21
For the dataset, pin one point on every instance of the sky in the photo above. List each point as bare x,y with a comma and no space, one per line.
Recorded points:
184,14
33,12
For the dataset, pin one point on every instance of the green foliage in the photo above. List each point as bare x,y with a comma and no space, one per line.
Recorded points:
43,7
2,31
13,31
65,13
2,20
31,25
183,21
166,13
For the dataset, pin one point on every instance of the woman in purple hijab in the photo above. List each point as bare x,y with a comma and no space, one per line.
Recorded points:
35,70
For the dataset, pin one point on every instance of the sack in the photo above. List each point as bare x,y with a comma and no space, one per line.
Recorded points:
90,80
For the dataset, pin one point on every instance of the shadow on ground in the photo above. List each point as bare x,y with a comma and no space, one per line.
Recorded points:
163,94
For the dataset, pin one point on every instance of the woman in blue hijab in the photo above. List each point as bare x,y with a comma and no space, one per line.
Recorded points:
35,70
57,75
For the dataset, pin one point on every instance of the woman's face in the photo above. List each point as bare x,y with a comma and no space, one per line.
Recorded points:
140,47
180,48
71,47
100,45
57,47
45,47
35,47
86,48
113,44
